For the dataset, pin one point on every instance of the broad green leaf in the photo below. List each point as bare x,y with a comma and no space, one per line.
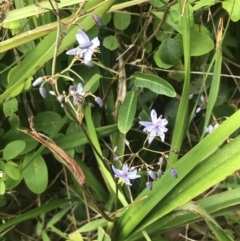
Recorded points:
14,121
157,3
203,3
106,18
92,84
2,187
13,149
233,9
111,42
12,170
13,136
121,20
44,208
170,51
159,62
10,107
127,112
35,173
200,42
154,83
47,121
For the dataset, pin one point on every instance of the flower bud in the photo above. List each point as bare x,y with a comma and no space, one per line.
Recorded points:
173,172
152,174
149,185
159,173
99,101
43,92
37,82
97,20
51,92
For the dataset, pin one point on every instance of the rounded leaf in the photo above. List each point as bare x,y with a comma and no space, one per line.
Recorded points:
127,112
154,83
170,51
35,173
47,121
13,149
10,107
110,42
12,170
121,20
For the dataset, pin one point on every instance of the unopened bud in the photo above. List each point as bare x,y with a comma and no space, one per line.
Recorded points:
37,82
97,20
43,92
99,101
152,174
149,185
173,172
159,173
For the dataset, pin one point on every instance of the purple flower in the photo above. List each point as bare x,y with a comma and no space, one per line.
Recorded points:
173,172
99,101
152,174
125,174
155,127
149,185
85,48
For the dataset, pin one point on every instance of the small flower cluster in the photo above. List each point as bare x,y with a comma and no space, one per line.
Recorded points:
153,176
211,128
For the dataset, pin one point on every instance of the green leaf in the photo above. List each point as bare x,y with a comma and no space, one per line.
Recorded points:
233,9
92,84
106,18
75,237
47,121
121,20
111,42
10,107
2,187
57,217
159,62
154,83
102,235
127,112
200,42
13,149
170,51
12,170
35,173
33,213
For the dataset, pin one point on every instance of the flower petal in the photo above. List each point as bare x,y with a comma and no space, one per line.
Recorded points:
118,172
75,51
95,42
145,123
82,37
154,116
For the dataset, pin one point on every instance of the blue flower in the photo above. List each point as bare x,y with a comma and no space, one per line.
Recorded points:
155,127
85,48
125,174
